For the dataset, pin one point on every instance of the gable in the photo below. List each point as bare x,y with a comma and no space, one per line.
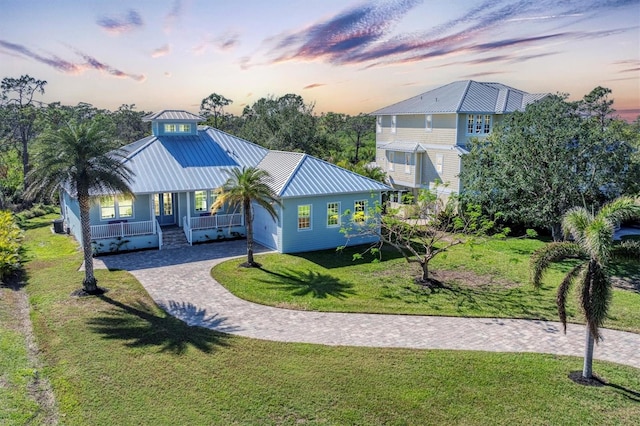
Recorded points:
301,175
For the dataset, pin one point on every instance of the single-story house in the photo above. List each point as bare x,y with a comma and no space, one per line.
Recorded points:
176,172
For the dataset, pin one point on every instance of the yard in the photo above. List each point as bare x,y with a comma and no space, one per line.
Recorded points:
488,280
119,359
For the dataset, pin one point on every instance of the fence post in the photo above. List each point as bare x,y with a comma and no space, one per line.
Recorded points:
122,229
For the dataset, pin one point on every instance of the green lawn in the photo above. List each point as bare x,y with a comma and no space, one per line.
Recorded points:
119,359
488,280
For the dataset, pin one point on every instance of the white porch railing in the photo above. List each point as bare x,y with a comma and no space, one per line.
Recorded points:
216,221
122,229
187,230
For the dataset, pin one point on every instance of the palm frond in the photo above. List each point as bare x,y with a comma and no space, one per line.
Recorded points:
575,223
563,291
542,258
248,183
598,239
621,209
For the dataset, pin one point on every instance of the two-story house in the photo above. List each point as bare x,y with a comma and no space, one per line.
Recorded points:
420,141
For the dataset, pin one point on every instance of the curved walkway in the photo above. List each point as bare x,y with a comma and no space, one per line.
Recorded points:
180,281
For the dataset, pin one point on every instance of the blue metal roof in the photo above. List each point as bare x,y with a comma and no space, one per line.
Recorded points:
301,175
188,163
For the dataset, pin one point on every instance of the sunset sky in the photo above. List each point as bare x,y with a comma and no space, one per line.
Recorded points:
346,56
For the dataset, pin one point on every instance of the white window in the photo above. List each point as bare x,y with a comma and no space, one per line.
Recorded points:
391,160
407,163
359,208
177,128
428,123
379,124
478,124
304,217
120,207
333,215
439,162
200,201
393,124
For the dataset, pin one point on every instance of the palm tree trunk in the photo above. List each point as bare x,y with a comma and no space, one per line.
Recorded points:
249,224
587,370
90,284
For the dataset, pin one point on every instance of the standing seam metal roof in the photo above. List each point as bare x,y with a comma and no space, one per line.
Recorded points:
188,162
467,96
300,175
172,114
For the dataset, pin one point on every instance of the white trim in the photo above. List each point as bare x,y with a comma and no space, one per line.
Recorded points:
310,218
337,225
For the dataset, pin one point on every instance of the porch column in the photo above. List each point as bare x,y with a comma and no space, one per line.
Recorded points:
189,209
152,213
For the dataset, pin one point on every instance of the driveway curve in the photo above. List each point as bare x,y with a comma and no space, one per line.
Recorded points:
179,281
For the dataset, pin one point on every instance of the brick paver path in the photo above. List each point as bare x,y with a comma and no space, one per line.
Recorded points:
179,280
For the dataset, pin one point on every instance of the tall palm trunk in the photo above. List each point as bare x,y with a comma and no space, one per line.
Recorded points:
587,370
249,224
90,284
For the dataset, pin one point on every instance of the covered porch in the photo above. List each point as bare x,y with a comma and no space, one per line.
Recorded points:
146,221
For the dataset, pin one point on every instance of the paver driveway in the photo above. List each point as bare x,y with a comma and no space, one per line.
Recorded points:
179,280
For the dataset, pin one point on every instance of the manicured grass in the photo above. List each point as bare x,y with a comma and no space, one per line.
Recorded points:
119,359
490,280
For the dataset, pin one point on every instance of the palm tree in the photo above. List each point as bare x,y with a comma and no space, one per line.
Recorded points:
83,159
592,244
242,188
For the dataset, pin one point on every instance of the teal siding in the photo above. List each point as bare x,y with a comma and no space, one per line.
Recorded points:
119,244
141,211
71,214
320,236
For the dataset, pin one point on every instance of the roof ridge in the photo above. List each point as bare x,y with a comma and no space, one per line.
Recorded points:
347,170
132,154
464,95
289,178
213,129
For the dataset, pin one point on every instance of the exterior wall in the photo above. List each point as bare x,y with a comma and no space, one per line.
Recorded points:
266,230
141,211
119,244
218,234
412,128
450,169
71,214
319,237
463,137
399,173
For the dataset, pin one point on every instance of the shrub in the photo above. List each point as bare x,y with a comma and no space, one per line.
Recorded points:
10,248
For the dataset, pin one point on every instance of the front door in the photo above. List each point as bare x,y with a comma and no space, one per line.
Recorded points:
163,205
